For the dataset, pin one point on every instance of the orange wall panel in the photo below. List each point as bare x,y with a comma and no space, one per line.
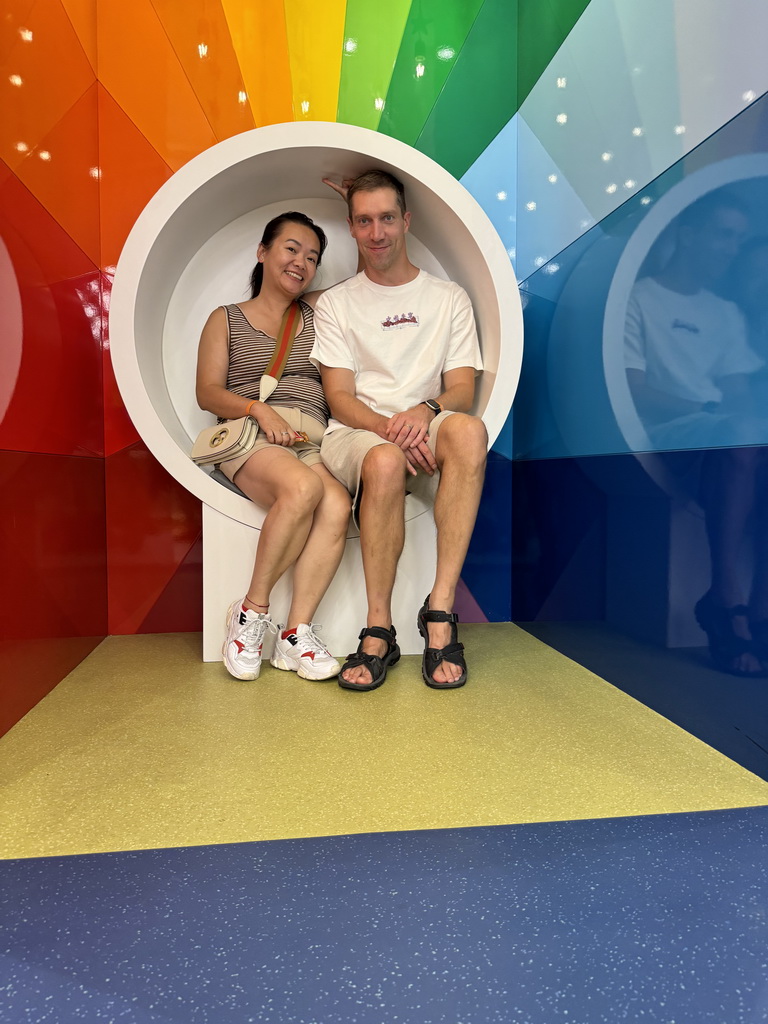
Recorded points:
40,80
141,71
62,173
82,14
131,172
261,44
199,35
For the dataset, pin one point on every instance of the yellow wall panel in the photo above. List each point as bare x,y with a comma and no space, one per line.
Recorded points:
315,41
257,29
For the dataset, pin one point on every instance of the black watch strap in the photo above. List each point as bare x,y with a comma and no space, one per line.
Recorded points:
433,405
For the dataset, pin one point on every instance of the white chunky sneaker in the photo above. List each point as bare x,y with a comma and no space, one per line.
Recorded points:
245,639
304,652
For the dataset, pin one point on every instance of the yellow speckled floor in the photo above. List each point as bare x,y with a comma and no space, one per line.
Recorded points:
145,746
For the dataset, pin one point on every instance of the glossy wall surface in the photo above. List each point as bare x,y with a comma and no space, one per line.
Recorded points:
586,130
639,433
53,608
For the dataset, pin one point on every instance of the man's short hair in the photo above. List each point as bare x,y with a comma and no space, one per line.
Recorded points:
370,181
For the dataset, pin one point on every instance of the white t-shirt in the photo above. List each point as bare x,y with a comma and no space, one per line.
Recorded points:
685,343
399,340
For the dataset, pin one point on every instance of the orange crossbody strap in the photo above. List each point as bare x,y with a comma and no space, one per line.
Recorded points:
284,343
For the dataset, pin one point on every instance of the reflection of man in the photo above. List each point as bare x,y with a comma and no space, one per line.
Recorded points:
688,367
686,349
398,352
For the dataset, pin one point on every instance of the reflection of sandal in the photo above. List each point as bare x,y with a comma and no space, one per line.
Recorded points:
433,656
759,630
725,646
376,666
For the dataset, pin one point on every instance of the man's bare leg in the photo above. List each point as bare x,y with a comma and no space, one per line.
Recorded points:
382,534
460,455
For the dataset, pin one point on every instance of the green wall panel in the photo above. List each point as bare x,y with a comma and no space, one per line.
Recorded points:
434,35
543,25
372,35
480,95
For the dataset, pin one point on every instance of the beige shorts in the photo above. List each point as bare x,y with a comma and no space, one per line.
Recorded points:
307,452
344,449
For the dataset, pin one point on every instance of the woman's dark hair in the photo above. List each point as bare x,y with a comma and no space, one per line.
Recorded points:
270,233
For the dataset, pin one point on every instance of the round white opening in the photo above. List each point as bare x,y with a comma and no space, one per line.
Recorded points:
194,246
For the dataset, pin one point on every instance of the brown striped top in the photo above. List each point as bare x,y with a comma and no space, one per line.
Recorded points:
250,351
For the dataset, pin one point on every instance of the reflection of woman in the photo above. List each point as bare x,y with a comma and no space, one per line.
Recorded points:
307,509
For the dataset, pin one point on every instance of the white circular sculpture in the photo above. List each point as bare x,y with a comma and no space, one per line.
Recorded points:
194,245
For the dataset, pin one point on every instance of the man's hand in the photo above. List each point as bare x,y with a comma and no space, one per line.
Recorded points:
408,429
342,188
420,457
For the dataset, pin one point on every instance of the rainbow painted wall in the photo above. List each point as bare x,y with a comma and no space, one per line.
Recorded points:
566,119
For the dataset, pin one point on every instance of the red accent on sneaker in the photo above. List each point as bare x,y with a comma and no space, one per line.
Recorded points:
309,654
239,646
286,633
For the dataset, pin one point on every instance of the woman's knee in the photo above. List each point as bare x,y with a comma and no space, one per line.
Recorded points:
300,490
336,504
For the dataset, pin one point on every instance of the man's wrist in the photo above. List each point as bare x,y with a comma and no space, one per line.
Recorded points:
434,405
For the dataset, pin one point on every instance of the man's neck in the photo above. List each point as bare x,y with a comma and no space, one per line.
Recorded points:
394,276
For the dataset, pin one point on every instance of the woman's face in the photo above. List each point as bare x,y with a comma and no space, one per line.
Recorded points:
290,262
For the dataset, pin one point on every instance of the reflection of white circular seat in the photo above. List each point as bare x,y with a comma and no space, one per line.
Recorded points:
194,245
596,414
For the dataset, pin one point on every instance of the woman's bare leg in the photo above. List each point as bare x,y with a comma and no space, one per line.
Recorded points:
317,564
290,491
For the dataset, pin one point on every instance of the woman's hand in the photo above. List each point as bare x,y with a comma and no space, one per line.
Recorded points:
275,428
342,188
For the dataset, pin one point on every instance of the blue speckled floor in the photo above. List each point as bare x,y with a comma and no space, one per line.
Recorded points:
658,918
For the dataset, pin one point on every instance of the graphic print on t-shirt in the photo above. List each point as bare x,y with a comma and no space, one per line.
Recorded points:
398,321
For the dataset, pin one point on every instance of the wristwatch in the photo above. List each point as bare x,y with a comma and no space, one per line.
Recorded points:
433,405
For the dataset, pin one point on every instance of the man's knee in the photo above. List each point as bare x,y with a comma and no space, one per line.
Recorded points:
464,437
384,467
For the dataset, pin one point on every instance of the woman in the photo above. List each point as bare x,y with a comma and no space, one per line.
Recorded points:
307,509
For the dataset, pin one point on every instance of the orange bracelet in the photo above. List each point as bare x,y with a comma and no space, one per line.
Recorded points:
250,404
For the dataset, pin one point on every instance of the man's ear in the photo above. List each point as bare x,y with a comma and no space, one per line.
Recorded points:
349,222
407,219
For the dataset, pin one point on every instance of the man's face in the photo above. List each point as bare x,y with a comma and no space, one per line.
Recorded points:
379,228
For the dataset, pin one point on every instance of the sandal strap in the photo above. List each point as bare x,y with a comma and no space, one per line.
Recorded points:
358,658
452,652
737,609
380,633
438,616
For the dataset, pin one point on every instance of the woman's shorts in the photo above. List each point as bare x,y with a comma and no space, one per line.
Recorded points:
307,452
344,449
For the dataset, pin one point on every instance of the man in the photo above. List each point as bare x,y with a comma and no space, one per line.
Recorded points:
689,370
398,353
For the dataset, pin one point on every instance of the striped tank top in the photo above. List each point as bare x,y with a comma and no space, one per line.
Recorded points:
250,351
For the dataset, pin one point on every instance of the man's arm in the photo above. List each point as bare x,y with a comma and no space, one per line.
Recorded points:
655,404
339,388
